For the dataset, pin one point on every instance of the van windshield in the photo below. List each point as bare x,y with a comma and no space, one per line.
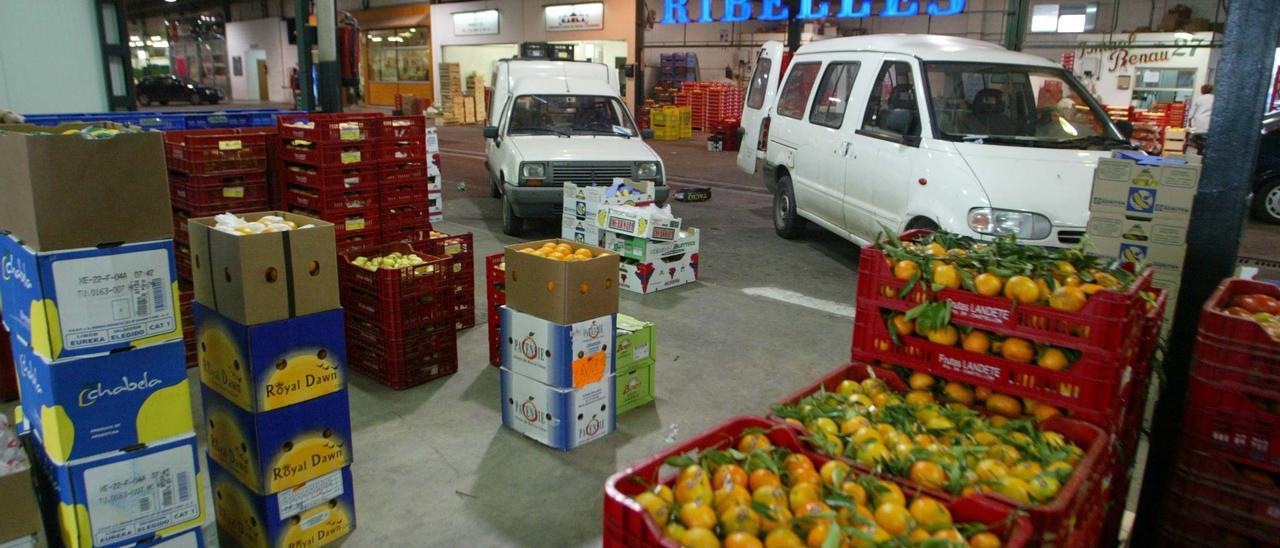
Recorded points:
569,115
1016,105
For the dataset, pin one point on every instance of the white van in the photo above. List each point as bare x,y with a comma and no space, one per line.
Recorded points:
920,131
552,122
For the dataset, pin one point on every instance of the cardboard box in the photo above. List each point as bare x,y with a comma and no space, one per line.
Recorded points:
90,301
312,514
275,450
562,292
96,405
68,192
191,538
585,202
1156,189
1167,259
1119,227
582,231
664,273
265,277
562,418
21,513
635,387
271,365
559,355
644,249
641,222
636,344
123,497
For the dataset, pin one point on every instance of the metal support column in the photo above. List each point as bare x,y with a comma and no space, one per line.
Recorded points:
794,25
301,14
329,72
637,83
117,60
1015,24
1217,220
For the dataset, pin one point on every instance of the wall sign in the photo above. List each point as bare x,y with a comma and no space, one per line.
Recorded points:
563,17
475,23
1120,54
678,11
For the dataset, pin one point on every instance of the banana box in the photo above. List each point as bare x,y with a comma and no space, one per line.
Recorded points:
585,202
128,498
656,275
649,222
559,355
82,302
275,450
1145,187
644,249
271,365
583,231
312,514
95,405
636,343
562,418
1168,260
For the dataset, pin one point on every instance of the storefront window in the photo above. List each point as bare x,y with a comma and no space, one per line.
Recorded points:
399,55
1163,85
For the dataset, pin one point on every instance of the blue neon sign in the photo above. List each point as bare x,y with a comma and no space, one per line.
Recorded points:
677,11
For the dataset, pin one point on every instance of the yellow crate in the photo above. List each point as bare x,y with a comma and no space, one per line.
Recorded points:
686,121
667,133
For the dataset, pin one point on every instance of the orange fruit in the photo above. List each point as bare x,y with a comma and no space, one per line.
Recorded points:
778,517
958,393
855,492
834,472
813,508
783,538
1053,359
740,518
729,474
918,398
818,535
893,518
807,475
663,493
1004,405
918,535
976,341
981,393
946,335
803,494
762,477
674,531
949,534
947,276
655,506
902,325
935,249
1018,350
583,252
889,492
928,474
920,381
929,513
985,539
730,496
1090,289
698,537
693,484
752,442
696,514
1022,289
1044,412
796,462
1045,290
988,284
905,270
556,255
1068,298
740,539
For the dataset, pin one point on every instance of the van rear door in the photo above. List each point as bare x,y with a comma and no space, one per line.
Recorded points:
758,103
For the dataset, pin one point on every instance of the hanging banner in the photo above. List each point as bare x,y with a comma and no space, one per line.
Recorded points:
475,23
567,17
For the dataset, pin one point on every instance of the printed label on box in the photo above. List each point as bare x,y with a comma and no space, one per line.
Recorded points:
230,145
355,224
350,156
148,493
640,352
294,501
233,192
349,131
113,298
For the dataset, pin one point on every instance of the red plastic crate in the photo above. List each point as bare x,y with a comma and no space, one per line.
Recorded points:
331,201
402,362
425,278
626,523
182,260
402,127
353,222
408,233
1234,487
350,178
217,192
403,215
458,247
1237,349
8,373
402,172
336,127
358,243
402,150
1233,419
336,155
1106,322
217,151
398,316
403,194
495,297
1058,523
1191,519
181,231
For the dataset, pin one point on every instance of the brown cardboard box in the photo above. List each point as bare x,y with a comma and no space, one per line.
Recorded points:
68,192
265,277
21,515
562,292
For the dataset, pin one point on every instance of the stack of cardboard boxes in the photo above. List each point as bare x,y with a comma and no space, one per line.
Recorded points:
272,357
451,108
558,340
435,198
636,352
89,296
1140,210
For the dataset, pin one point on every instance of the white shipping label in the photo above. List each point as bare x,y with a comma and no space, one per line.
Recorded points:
185,540
141,495
317,491
314,520
114,298
641,352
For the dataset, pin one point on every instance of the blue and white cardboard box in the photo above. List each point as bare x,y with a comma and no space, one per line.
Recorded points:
121,498
311,514
191,538
87,406
562,418
546,351
278,449
83,302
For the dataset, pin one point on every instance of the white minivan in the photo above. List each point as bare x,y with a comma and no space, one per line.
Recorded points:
555,122
921,131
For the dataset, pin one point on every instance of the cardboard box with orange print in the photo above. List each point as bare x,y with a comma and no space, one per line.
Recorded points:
562,418
559,355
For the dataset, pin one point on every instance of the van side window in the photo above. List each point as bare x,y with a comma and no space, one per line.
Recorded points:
832,98
893,107
795,93
759,83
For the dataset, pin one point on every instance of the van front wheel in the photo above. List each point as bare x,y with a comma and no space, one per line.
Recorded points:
786,221
511,224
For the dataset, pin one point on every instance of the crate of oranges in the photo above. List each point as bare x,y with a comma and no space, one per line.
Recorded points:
561,281
750,483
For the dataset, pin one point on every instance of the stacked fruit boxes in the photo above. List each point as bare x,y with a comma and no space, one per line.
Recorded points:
402,179
90,305
635,353
272,357
330,171
400,323
1225,488
460,273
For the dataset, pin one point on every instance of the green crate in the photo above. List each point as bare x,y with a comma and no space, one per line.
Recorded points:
636,345
635,387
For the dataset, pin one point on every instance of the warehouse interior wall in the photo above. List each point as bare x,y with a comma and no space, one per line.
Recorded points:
268,35
32,33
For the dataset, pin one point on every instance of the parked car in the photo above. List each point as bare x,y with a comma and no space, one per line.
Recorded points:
162,89
920,131
552,122
1266,175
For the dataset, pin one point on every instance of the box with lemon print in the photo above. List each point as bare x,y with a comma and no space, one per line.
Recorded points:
274,450
312,514
88,406
271,365
84,302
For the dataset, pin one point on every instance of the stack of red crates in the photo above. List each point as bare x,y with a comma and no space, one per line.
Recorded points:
460,273
329,170
402,179
400,328
496,293
710,103
1226,489
1114,336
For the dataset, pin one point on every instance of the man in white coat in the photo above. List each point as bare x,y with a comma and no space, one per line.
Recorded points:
1201,110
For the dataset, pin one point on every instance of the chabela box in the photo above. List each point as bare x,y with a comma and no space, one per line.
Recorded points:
271,365
89,301
555,354
310,514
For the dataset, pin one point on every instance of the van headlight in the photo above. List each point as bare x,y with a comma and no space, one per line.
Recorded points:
1004,222
647,170
533,171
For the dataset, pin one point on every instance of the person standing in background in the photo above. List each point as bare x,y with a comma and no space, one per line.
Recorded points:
1201,110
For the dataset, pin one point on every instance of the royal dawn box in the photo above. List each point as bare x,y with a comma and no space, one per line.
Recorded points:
562,418
275,450
82,302
311,514
556,354
271,365
88,406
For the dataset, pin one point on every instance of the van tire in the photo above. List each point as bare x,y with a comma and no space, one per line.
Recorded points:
494,190
786,221
1266,202
511,224
923,223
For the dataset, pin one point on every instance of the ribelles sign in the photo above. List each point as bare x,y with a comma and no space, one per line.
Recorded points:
677,11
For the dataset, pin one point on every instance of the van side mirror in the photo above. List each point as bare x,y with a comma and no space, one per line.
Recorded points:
899,121
490,132
646,134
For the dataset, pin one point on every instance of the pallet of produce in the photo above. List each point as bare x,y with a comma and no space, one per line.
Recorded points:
749,482
869,417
